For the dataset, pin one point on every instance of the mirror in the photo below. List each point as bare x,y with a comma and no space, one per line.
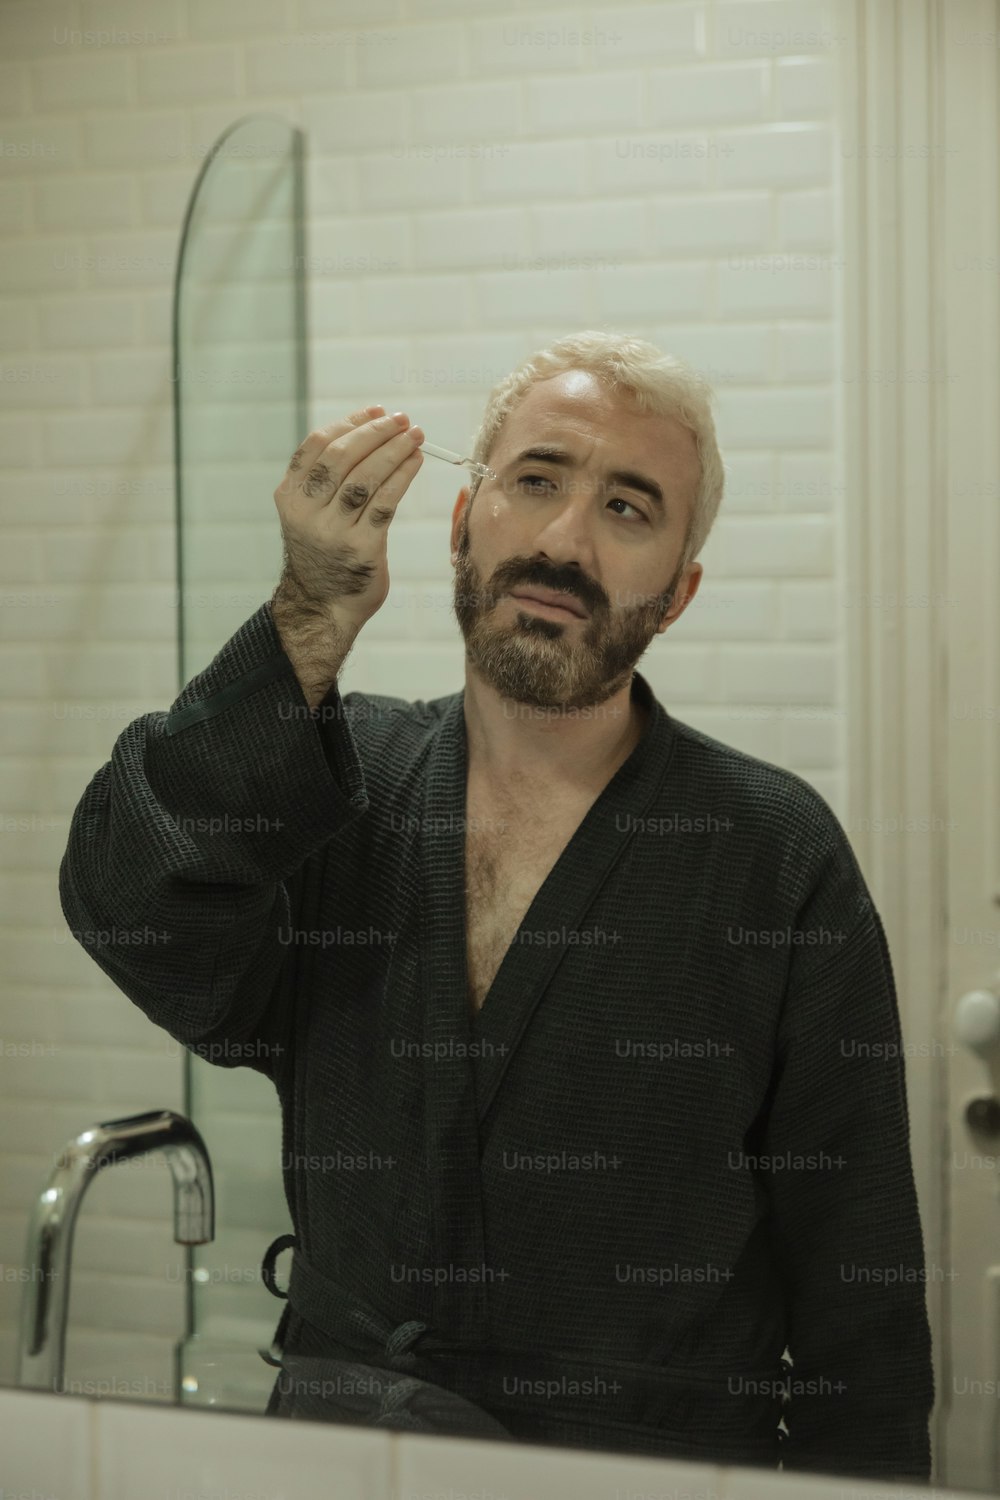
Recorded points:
240,409
449,264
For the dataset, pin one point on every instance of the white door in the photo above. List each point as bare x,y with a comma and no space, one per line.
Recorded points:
919,196
969,247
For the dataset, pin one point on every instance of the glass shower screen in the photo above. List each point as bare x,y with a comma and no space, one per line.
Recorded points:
240,403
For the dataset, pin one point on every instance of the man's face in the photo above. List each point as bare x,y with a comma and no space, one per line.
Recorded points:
570,527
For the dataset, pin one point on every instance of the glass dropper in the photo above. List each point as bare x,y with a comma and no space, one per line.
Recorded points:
456,458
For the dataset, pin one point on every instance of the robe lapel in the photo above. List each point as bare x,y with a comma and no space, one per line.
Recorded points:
561,903
450,1114
466,1056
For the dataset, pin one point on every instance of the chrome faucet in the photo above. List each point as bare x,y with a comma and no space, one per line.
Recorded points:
45,1303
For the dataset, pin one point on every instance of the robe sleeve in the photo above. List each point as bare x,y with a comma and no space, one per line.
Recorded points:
184,852
845,1223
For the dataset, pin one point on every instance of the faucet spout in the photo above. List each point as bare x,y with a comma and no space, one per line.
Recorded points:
45,1303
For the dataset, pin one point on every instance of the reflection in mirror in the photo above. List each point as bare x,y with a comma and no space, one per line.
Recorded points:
452,936
454,958
515,962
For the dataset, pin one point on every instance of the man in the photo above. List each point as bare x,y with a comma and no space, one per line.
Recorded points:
602,1002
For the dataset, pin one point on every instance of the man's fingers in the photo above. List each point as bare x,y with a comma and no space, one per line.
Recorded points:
314,444
341,468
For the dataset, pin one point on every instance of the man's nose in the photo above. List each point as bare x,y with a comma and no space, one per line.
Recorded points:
567,532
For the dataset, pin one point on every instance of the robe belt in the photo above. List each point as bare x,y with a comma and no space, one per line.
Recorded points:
656,1396
347,1317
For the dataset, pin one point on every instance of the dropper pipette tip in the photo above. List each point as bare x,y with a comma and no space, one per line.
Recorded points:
456,458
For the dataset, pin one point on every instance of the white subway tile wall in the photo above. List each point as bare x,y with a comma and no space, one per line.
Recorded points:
480,180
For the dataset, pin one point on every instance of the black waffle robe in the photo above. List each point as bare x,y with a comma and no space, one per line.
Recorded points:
656,1195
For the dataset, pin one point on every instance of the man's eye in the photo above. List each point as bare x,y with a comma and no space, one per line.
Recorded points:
532,480
640,513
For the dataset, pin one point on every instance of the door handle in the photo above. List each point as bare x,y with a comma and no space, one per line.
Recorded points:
977,1021
977,1026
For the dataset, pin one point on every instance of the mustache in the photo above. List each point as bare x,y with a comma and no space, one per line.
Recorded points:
525,572
506,578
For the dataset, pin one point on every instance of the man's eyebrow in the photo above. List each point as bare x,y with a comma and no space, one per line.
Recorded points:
629,477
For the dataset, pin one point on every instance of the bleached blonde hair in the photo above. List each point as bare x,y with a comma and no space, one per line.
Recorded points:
659,383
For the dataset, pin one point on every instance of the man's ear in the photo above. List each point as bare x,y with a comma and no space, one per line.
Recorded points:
456,519
686,589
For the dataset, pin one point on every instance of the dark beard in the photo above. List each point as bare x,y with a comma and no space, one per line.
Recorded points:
535,660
